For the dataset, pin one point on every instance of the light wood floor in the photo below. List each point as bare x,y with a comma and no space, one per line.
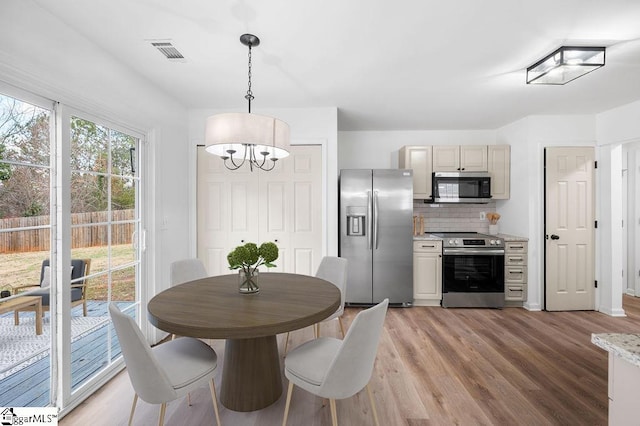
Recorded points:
435,366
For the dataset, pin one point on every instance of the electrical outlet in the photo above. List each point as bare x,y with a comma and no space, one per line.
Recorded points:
483,215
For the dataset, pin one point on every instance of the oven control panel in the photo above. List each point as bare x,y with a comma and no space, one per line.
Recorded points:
469,240
474,243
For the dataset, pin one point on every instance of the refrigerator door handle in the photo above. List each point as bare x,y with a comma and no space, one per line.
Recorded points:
369,218
375,220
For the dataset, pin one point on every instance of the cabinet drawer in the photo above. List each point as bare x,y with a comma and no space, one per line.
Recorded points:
515,259
427,246
515,274
515,292
515,247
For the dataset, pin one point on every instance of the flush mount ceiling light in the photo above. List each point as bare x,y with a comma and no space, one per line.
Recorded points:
238,138
566,64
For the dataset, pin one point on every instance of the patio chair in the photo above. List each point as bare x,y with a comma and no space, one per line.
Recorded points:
79,272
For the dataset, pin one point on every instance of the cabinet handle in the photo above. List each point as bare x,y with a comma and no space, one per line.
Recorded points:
428,246
515,272
517,247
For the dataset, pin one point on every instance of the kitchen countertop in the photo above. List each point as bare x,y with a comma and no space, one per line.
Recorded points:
626,346
506,237
426,237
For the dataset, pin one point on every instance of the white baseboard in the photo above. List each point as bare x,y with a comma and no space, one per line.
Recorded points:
613,312
532,306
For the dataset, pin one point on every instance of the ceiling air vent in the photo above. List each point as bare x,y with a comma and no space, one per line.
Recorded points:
168,50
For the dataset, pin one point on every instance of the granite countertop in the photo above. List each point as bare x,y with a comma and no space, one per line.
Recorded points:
508,237
626,346
426,237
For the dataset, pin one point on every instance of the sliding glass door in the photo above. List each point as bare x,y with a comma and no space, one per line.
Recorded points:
105,223
25,242
70,241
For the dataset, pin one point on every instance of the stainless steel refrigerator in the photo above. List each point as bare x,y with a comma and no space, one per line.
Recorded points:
376,235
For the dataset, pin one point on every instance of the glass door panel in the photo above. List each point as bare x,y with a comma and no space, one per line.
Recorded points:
105,221
25,242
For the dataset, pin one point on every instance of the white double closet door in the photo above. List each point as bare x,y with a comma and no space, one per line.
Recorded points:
283,205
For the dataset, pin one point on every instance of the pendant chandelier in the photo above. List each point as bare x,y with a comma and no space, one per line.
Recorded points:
240,138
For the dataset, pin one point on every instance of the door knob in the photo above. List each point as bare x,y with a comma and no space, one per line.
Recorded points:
554,237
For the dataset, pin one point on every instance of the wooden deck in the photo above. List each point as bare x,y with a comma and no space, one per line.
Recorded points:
29,387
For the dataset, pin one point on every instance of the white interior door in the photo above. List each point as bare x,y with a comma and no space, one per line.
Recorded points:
283,205
570,228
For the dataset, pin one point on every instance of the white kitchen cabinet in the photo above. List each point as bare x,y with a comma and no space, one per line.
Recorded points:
624,376
624,380
453,158
499,168
427,273
515,272
419,159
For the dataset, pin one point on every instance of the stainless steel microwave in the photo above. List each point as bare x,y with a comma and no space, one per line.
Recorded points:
461,187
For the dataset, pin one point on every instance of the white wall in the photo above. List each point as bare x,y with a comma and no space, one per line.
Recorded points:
524,211
309,126
619,125
379,149
36,55
631,216
615,128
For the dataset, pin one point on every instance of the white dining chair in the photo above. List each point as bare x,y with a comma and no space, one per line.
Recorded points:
338,369
167,371
334,270
185,270
182,271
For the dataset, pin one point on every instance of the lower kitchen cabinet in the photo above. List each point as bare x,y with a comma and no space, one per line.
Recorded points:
427,273
515,272
624,376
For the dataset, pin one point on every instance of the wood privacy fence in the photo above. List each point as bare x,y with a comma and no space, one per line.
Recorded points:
91,232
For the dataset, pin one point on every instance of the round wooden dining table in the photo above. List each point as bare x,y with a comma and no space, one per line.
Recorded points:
213,308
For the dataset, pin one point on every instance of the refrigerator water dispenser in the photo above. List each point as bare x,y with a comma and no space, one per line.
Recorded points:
356,221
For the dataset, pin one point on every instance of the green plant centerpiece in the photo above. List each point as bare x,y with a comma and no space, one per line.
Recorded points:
248,258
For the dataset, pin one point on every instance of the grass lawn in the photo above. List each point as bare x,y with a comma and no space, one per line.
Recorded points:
18,269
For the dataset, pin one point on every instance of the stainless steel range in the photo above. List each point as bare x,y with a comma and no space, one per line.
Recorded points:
472,270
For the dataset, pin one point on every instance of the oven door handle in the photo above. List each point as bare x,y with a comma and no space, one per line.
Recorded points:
469,251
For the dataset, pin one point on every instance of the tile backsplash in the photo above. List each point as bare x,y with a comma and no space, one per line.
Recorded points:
453,217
